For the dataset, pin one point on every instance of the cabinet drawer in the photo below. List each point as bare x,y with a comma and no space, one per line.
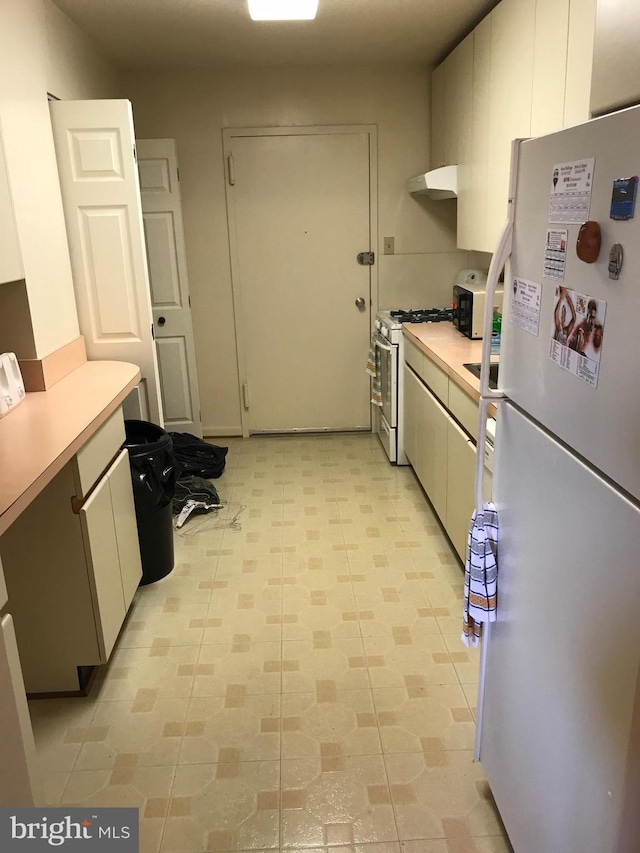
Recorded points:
413,356
464,409
427,370
96,455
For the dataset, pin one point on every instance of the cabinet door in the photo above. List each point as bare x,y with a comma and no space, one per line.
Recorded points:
411,390
103,563
10,260
124,516
461,471
431,439
580,60
458,86
473,165
510,85
438,116
616,60
17,749
549,66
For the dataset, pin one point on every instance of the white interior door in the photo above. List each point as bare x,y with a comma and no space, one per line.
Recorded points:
167,261
95,149
299,214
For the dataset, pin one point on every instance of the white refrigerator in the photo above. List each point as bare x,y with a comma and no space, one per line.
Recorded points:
559,725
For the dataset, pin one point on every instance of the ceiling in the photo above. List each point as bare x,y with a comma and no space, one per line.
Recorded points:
139,34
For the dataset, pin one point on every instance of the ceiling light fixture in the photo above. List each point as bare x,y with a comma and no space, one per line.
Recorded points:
283,10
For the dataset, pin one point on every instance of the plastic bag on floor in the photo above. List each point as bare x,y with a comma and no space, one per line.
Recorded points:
194,495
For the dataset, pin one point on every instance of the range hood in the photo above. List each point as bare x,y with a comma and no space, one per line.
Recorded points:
438,183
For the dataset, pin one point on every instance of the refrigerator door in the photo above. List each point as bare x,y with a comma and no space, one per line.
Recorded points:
562,661
601,423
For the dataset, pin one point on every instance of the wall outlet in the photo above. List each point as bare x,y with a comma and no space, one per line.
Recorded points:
389,245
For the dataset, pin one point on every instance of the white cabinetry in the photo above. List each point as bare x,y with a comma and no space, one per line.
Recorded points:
451,104
19,787
440,422
616,58
10,260
72,564
530,71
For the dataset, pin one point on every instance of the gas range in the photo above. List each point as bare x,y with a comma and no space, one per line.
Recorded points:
388,322
423,315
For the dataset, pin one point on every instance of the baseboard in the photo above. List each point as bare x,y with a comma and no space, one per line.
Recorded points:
221,431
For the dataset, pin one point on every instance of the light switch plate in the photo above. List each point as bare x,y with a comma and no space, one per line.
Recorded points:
389,245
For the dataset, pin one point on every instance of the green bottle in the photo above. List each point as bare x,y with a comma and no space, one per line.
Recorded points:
495,332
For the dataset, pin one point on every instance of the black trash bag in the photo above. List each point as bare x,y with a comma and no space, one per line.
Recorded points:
195,456
153,477
151,458
194,495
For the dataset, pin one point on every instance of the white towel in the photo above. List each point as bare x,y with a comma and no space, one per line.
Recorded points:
480,574
374,371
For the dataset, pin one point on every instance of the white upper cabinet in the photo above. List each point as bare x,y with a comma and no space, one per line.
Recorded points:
510,88
524,71
10,259
616,58
437,116
451,104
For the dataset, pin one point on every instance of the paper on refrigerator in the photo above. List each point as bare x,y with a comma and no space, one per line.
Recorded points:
577,333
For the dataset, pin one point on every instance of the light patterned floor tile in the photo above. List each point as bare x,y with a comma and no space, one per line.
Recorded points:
59,727
224,807
164,626
136,733
238,670
396,616
329,730
53,785
323,668
146,674
272,716
145,788
348,803
429,718
246,729
441,794
423,662
486,844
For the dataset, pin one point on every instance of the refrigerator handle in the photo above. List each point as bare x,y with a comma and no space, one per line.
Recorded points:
499,259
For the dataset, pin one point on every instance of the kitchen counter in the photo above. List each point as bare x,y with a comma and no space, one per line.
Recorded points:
450,350
47,429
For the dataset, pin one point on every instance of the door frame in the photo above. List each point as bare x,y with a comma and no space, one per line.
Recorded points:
228,135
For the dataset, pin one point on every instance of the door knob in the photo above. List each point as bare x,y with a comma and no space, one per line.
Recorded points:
162,321
360,303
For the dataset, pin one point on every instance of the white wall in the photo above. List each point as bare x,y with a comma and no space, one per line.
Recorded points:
76,67
41,51
194,107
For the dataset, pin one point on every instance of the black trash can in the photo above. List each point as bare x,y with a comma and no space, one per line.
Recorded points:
153,477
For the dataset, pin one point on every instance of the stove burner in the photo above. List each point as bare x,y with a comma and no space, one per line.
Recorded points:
423,315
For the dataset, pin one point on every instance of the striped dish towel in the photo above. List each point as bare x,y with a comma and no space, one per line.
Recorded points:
480,574
374,371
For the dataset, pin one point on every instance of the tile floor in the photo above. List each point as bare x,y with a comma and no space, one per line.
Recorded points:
296,684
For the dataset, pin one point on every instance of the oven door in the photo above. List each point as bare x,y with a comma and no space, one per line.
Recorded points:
389,381
388,420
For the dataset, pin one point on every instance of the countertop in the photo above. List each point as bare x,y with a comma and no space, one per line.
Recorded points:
450,350
47,429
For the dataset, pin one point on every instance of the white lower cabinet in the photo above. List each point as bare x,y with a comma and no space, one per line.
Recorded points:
72,565
461,473
441,452
113,555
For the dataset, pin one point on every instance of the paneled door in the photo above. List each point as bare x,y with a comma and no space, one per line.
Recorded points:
95,149
167,261
298,205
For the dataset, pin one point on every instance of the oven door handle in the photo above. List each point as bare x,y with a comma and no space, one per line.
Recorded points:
380,345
